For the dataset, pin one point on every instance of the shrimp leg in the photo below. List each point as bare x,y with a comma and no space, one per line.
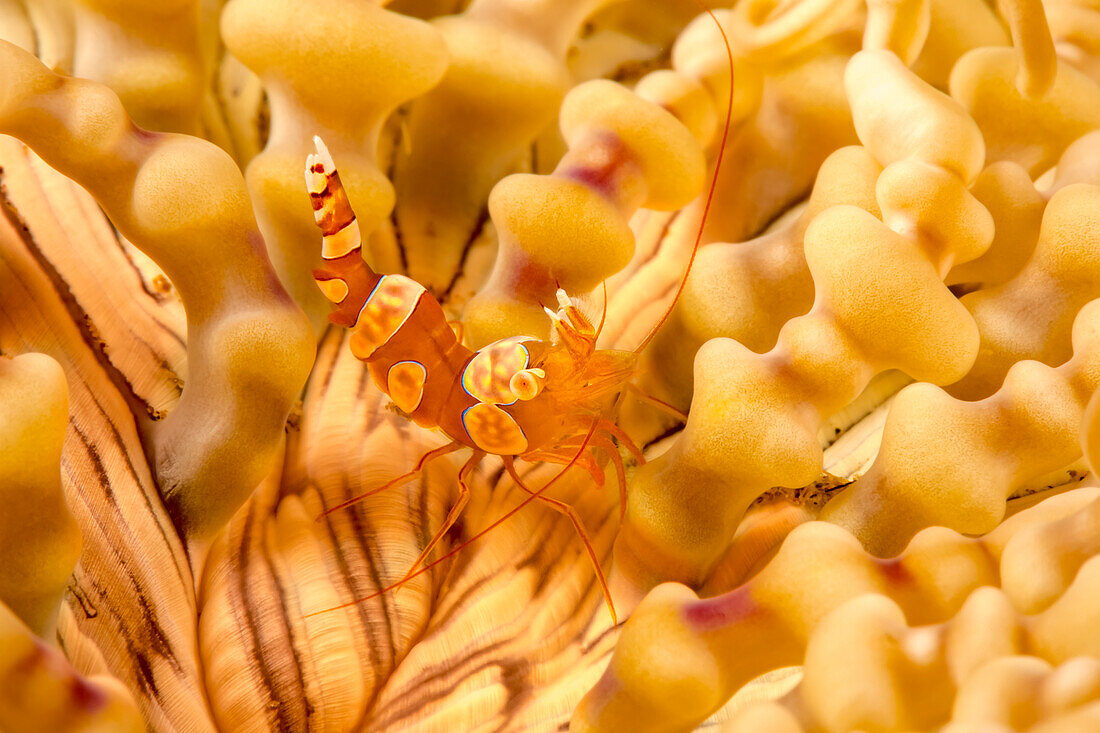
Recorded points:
452,515
661,405
609,427
403,478
562,454
563,508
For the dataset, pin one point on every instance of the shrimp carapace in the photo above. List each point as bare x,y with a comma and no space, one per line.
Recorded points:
518,397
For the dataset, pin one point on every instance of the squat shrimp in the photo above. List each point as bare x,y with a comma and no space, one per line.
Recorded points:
519,397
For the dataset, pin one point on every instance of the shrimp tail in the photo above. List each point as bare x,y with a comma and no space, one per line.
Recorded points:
345,279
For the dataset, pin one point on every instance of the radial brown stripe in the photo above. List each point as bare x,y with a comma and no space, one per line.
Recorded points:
610,634
666,434
444,681
355,554
456,605
241,600
64,211
299,691
328,349
665,229
514,673
532,549
379,668
160,296
97,464
107,538
137,639
364,382
92,209
432,679
550,523
87,608
399,240
159,516
475,233
363,532
142,675
79,316
421,527
149,619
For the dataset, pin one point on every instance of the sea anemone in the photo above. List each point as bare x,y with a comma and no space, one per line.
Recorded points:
863,197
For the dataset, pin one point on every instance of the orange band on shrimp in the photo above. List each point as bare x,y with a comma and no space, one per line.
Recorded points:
519,397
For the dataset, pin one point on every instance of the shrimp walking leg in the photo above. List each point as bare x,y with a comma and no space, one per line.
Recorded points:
565,453
561,457
403,478
563,508
452,515
608,447
620,435
656,403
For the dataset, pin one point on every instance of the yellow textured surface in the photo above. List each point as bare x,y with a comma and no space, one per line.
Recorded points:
39,540
879,304
809,605
900,26
570,229
306,54
908,191
184,202
503,86
955,27
1017,323
1028,427
898,116
748,290
766,32
1030,132
1007,193
147,53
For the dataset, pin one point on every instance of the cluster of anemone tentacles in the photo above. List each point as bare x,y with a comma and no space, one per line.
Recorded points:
876,515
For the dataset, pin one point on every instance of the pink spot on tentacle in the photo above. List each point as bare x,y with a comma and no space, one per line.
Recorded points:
894,572
526,275
38,656
721,611
42,660
602,167
86,696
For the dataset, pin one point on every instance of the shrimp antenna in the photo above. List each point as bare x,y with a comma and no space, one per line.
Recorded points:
532,496
710,194
603,313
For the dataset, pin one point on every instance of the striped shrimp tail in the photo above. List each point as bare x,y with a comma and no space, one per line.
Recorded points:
331,207
345,279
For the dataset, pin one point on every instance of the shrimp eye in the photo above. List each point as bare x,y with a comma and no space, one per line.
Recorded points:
527,383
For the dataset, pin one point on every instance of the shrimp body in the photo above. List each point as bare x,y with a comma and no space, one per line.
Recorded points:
520,396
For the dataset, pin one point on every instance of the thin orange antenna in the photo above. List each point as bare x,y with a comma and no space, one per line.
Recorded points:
578,526
603,315
710,195
459,548
612,451
620,435
403,478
